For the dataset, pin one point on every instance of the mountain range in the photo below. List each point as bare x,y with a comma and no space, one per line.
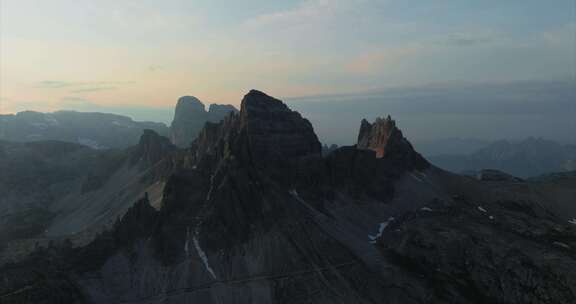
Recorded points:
251,211
527,158
104,130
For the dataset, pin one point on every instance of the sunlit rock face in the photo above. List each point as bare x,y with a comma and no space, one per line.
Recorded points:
386,140
375,136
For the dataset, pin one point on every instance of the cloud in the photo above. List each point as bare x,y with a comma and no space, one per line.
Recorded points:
562,35
462,40
55,84
58,84
93,89
308,18
77,103
81,87
309,10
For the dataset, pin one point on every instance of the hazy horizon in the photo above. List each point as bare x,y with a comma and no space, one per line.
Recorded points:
451,64
470,112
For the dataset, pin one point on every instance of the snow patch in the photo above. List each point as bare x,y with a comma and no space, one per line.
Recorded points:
204,257
426,209
560,244
40,125
381,228
421,174
50,120
121,124
480,208
89,142
187,243
572,221
416,177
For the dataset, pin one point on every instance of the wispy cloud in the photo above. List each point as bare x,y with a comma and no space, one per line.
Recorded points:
77,103
308,14
310,10
81,87
562,35
93,89
463,40
57,84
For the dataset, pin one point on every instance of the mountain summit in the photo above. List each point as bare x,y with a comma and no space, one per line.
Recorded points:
274,131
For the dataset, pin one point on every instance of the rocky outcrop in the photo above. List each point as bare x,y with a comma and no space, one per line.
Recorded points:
484,253
217,112
152,148
328,149
376,136
387,141
275,132
265,132
190,116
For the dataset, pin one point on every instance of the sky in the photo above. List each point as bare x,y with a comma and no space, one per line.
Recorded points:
142,55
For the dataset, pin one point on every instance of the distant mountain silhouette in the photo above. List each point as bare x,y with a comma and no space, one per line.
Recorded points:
96,130
191,115
530,157
106,131
488,110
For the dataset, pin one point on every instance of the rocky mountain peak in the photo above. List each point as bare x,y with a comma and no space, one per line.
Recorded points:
257,103
187,105
386,139
190,116
375,136
265,132
217,112
274,131
152,147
